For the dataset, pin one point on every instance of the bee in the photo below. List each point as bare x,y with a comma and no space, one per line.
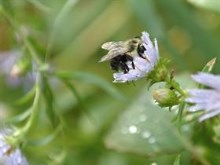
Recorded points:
122,52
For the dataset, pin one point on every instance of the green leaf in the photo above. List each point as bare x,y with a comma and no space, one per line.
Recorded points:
20,117
144,129
209,66
43,141
76,94
213,5
92,79
177,160
48,95
26,98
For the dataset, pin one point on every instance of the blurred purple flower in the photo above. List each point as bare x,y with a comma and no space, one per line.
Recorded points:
205,99
10,70
8,154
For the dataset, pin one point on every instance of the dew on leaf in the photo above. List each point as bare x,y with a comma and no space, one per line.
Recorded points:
132,129
143,118
146,134
152,140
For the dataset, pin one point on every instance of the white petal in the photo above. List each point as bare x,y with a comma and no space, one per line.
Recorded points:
207,79
196,107
131,76
206,99
142,67
151,52
3,148
209,114
16,158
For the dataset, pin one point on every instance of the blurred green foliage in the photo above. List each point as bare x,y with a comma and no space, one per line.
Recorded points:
83,115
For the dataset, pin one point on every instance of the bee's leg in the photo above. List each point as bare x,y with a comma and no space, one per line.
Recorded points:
132,63
124,67
130,58
114,65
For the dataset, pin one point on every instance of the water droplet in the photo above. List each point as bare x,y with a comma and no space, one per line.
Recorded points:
146,134
143,118
152,140
155,148
185,128
132,129
154,163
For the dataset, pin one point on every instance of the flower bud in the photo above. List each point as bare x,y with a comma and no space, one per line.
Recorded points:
160,72
165,97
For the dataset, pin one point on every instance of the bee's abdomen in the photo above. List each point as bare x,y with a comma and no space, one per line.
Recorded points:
115,63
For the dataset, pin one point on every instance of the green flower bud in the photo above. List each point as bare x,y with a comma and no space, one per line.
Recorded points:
160,72
165,97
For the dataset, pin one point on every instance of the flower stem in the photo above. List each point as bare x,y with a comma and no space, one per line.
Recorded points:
35,107
176,86
180,114
24,38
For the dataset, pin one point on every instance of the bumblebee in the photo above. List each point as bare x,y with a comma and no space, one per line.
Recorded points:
122,52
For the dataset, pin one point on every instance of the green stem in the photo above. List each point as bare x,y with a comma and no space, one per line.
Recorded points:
24,38
180,113
35,106
192,149
68,5
20,133
176,86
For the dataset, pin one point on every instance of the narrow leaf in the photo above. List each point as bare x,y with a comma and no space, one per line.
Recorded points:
49,100
177,160
213,5
26,98
209,66
92,79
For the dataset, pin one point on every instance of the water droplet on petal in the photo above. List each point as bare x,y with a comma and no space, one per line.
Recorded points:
132,129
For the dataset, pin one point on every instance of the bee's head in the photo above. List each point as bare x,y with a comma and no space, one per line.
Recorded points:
134,42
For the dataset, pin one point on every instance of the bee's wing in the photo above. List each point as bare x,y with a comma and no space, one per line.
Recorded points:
112,45
115,48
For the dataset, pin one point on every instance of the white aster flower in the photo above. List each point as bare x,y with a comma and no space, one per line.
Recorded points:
142,66
206,99
8,154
